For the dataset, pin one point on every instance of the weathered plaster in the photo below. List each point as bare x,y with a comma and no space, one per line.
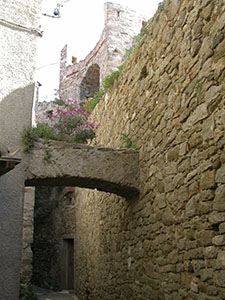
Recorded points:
18,35
11,222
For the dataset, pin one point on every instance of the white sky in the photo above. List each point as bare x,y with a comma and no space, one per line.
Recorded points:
80,26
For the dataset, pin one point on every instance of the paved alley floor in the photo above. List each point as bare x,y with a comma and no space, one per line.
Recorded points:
44,294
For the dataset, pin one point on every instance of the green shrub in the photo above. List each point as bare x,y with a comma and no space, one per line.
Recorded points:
107,83
127,143
32,134
27,293
109,79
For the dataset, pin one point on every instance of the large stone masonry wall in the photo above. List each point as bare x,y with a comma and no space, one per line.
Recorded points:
82,80
169,244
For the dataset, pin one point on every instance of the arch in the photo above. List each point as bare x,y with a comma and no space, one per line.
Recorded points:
106,169
90,83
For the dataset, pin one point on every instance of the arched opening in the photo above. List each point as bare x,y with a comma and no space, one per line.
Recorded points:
90,83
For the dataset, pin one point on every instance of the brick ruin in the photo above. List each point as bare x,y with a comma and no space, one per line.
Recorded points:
82,79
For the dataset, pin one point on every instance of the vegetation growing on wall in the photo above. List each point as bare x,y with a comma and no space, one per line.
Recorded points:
107,83
127,142
140,37
27,293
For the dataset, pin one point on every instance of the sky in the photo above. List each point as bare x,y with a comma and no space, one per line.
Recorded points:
80,26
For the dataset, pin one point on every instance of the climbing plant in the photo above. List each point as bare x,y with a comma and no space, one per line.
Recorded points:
107,83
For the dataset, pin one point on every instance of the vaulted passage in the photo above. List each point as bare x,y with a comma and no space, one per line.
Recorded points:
106,169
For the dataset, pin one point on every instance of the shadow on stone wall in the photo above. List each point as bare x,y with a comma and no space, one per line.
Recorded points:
15,114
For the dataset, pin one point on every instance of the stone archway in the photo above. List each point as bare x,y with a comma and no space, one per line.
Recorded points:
71,165
107,169
91,82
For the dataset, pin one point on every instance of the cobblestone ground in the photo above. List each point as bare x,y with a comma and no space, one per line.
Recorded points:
44,294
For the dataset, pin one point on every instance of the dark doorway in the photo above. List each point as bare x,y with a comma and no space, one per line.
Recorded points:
68,264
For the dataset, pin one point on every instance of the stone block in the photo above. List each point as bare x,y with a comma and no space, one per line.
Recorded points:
195,157
207,180
183,149
195,48
217,39
198,114
210,252
208,128
168,217
219,201
219,240
220,261
195,140
173,154
191,208
216,217
220,175
222,228
219,278
206,195
204,237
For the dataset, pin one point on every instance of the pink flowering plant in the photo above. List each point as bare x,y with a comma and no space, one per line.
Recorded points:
71,123
68,122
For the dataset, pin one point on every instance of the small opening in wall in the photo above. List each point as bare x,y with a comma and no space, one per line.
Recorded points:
49,113
118,13
68,198
144,73
215,227
87,293
116,51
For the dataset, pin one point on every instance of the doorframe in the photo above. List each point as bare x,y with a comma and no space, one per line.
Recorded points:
67,261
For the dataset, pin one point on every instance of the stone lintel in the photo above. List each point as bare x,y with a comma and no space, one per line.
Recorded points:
105,169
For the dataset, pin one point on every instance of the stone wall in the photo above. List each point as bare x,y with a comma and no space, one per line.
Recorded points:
82,80
46,242
169,244
18,34
43,109
27,254
53,222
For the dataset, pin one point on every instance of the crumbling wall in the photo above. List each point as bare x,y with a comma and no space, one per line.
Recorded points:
121,25
169,100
